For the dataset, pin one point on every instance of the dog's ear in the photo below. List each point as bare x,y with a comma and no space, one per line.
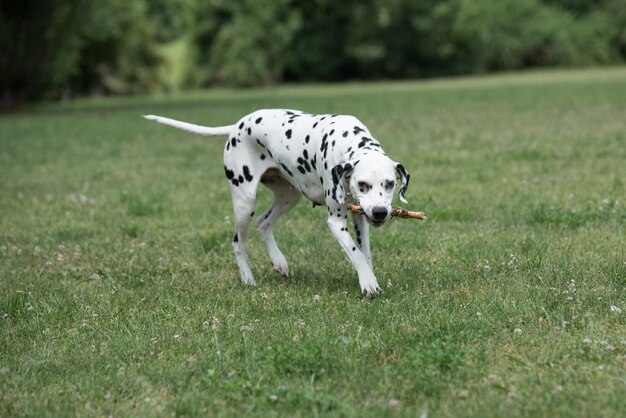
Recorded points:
404,177
339,173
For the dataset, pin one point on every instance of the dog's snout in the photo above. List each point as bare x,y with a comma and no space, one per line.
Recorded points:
379,213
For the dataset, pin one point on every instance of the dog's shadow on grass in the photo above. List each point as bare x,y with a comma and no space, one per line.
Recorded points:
306,278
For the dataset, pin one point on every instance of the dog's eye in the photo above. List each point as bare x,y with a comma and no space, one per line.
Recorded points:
364,187
389,185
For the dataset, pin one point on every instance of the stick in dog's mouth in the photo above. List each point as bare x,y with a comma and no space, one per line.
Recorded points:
397,212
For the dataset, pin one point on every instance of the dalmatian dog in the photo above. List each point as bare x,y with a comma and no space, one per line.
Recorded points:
332,160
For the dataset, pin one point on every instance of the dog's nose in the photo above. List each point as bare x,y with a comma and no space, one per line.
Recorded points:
379,213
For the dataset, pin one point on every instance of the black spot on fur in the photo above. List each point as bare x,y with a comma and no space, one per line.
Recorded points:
345,134
301,169
249,131
306,140
286,169
305,154
288,134
262,156
240,178
229,173
315,125
246,173
364,141
241,125
338,170
233,142
357,129
258,120
236,239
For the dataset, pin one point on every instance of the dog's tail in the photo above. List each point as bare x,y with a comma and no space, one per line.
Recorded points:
190,127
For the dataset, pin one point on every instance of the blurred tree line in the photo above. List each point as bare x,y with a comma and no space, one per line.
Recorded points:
63,48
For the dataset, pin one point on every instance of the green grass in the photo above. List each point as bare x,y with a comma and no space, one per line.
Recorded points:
115,259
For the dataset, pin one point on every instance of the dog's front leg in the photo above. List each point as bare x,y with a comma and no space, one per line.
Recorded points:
361,230
338,225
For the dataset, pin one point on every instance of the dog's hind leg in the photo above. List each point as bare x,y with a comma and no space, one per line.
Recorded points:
244,201
285,198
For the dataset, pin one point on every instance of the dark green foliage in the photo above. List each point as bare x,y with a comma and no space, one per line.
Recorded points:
38,44
65,48
513,34
118,53
60,48
242,42
253,43
171,18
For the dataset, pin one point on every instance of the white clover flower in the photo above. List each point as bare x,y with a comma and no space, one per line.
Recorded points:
616,310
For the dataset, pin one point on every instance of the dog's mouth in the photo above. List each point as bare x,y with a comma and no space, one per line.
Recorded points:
375,223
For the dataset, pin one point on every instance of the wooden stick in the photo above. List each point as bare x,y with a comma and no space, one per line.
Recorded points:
397,212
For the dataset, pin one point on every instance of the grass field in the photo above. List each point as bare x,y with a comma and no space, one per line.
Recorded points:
119,294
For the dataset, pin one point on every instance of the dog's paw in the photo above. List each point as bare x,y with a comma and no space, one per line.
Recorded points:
282,269
280,265
247,279
372,290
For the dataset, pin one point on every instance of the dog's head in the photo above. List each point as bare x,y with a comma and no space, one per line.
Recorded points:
371,180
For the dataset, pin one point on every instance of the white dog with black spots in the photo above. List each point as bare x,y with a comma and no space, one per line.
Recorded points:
331,160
